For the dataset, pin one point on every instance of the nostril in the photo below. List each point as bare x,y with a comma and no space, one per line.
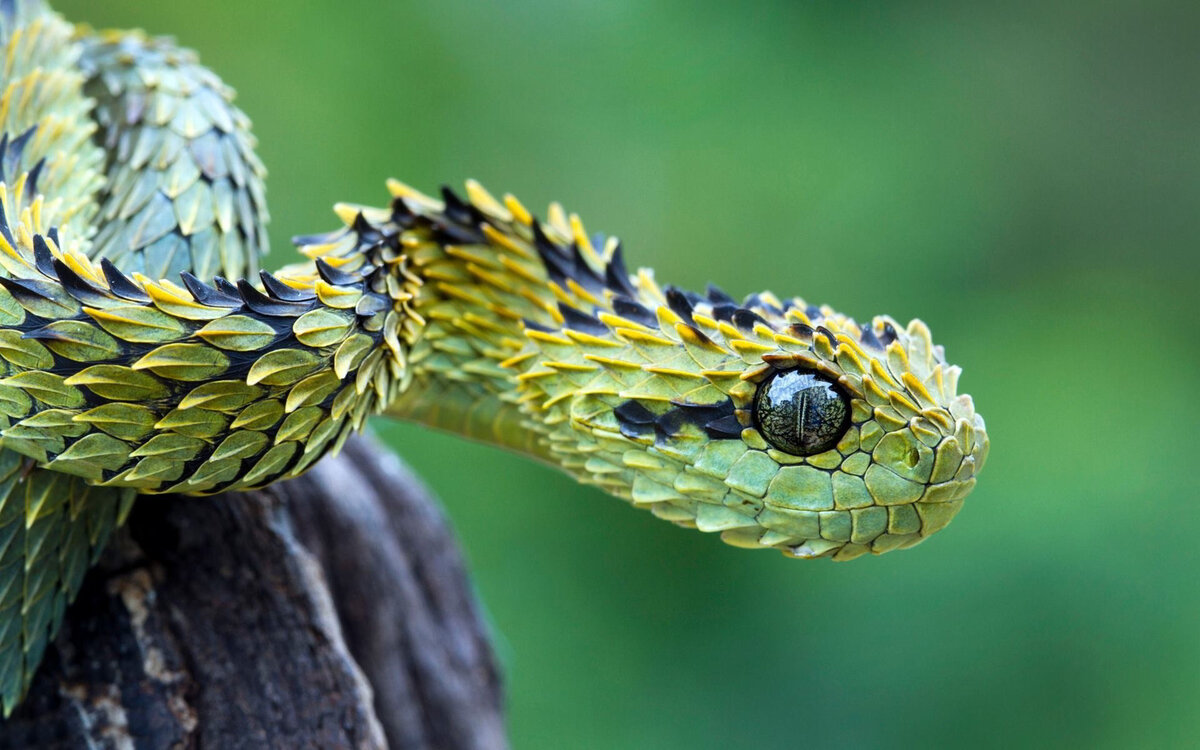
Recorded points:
913,458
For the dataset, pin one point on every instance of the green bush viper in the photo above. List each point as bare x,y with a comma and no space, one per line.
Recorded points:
142,351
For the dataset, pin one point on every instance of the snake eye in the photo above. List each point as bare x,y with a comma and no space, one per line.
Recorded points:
801,412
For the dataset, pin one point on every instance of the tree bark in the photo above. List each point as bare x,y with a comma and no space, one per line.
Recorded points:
329,611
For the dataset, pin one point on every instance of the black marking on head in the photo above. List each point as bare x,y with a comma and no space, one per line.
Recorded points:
717,296
264,305
580,321
43,259
801,331
120,284
725,311
445,233
207,295
725,428
745,319
718,420
616,277
563,263
701,415
636,432
678,302
889,334
543,244
828,334
333,276
458,210
585,275
635,311
557,265
704,338
635,420
280,290
867,337
633,412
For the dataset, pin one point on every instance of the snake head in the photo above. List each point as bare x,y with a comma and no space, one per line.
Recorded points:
858,432
784,425
776,423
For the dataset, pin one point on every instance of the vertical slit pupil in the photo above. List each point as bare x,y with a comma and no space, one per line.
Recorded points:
801,412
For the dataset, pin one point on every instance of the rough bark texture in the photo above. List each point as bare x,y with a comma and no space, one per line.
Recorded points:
331,611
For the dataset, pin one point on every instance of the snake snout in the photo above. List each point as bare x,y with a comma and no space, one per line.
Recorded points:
894,447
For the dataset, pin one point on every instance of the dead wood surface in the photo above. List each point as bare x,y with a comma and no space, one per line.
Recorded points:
329,611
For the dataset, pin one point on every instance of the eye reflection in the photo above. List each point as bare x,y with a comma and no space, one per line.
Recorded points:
801,412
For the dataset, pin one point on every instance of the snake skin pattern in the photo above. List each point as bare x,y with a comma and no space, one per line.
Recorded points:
142,351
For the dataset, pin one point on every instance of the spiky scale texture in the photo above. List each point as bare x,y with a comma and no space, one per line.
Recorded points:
537,338
464,313
193,387
52,529
52,180
185,188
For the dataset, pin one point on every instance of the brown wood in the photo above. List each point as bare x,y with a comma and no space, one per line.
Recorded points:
330,611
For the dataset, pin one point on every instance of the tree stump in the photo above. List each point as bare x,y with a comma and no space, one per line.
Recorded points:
329,611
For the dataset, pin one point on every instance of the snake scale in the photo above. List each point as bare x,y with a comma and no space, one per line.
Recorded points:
142,351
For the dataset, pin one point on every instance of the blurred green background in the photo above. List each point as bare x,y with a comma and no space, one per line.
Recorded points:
1024,176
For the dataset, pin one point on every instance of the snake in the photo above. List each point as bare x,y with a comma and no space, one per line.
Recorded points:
144,351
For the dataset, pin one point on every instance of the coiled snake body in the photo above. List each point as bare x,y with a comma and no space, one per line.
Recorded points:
142,352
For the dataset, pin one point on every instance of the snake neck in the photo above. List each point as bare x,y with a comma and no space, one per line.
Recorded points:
492,280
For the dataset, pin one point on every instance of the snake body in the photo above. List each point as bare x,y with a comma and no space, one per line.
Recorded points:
142,352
